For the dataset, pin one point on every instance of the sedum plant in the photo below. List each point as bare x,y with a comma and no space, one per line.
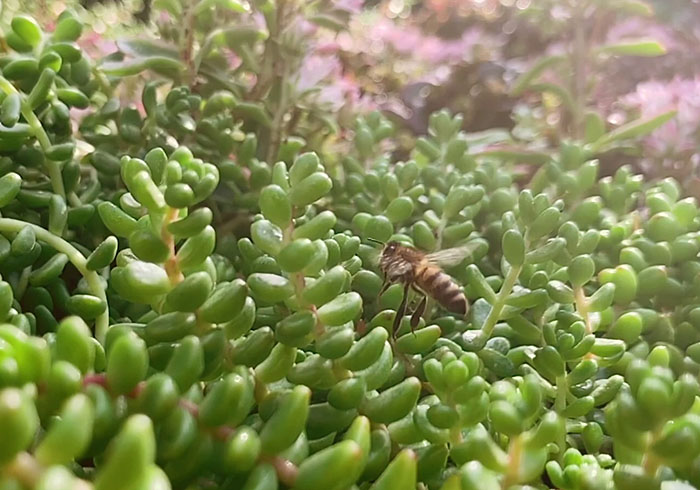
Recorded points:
146,345
256,51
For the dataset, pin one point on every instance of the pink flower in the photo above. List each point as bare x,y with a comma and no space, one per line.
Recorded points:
234,61
653,98
336,89
636,28
305,27
352,6
328,48
96,45
259,20
315,69
409,40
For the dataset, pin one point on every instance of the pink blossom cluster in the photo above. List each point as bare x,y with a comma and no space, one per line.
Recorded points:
96,45
636,28
323,70
682,133
380,41
410,41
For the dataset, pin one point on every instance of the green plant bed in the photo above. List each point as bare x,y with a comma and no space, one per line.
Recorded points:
146,345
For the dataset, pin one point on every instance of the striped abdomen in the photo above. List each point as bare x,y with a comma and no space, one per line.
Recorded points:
432,281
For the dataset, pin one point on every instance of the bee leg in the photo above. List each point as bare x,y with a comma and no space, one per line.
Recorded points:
415,318
385,286
401,311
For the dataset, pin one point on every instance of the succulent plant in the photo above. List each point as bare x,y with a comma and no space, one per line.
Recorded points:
147,343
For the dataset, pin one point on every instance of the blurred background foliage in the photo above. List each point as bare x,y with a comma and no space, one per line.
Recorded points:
293,131
410,58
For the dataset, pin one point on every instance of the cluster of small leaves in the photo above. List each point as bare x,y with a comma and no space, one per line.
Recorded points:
144,347
47,197
231,86
253,50
574,79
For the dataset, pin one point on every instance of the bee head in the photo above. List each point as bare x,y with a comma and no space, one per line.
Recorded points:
388,248
391,247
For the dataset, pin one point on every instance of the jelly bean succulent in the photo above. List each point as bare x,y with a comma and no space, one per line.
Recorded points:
181,310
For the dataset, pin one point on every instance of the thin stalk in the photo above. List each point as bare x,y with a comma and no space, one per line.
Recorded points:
172,268
496,309
51,167
26,469
280,70
579,55
581,303
582,307
559,406
456,434
515,454
76,258
275,68
278,121
271,54
23,281
650,462
562,388
299,281
297,278
187,48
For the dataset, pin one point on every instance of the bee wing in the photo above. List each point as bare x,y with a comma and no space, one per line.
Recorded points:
451,257
400,268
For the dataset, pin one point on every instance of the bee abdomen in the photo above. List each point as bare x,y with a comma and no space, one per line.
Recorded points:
457,303
441,287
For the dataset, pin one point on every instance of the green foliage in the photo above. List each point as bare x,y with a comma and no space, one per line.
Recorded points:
149,343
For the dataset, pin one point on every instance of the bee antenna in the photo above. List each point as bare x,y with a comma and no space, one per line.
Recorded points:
376,241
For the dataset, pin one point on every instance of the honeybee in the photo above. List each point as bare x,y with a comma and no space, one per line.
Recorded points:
423,274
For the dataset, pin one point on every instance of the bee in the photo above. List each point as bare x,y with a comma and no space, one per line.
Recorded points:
423,274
